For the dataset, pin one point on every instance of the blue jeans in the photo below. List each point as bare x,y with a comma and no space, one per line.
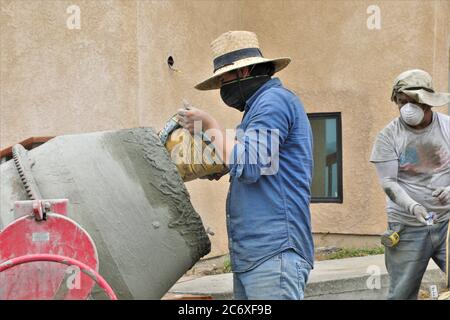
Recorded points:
408,260
282,277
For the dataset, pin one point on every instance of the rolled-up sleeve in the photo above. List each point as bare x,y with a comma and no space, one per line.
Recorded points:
258,146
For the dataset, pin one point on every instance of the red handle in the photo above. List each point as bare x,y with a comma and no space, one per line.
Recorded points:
94,275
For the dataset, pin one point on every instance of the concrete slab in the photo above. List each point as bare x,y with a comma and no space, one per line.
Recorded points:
352,278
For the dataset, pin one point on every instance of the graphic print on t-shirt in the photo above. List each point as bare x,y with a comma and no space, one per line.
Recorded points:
423,157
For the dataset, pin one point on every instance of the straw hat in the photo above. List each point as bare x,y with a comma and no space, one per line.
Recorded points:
418,85
233,50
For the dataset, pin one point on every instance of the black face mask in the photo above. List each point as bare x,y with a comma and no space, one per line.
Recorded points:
235,93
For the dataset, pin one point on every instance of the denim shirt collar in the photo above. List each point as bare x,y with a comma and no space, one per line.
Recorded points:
269,84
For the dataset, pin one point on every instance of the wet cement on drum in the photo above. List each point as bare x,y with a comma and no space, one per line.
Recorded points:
165,184
57,174
79,169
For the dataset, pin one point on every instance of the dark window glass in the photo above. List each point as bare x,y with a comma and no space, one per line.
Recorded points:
327,178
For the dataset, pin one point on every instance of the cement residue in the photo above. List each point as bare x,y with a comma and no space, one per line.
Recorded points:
56,180
124,190
167,187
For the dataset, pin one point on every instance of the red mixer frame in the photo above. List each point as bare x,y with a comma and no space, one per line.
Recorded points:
46,255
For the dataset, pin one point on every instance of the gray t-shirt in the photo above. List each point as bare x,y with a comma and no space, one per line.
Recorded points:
423,164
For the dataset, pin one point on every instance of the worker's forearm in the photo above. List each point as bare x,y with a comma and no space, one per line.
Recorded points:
397,194
387,173
223,141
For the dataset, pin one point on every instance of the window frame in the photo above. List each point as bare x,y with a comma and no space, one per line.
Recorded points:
338,117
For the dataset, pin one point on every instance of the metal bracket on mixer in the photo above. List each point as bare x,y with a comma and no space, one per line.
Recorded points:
36,207
39,208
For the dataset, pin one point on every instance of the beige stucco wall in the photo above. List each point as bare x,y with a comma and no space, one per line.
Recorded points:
113,74
55,80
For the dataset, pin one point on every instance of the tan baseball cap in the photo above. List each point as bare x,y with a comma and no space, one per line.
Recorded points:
418,85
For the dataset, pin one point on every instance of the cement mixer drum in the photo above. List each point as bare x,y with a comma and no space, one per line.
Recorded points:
124,190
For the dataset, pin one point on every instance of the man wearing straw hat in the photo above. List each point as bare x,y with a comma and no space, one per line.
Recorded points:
412,158
270,163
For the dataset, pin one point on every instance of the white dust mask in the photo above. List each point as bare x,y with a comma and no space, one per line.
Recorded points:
412,114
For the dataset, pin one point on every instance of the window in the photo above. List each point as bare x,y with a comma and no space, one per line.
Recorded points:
327,176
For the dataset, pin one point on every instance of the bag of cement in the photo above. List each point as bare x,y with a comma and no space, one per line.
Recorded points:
444,296
194,155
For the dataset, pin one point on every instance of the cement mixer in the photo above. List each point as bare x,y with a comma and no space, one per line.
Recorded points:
106,208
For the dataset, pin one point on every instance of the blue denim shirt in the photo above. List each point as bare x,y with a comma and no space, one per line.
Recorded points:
269,213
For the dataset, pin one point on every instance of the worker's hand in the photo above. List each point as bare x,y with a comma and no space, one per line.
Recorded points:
420,213
443,194
193,119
